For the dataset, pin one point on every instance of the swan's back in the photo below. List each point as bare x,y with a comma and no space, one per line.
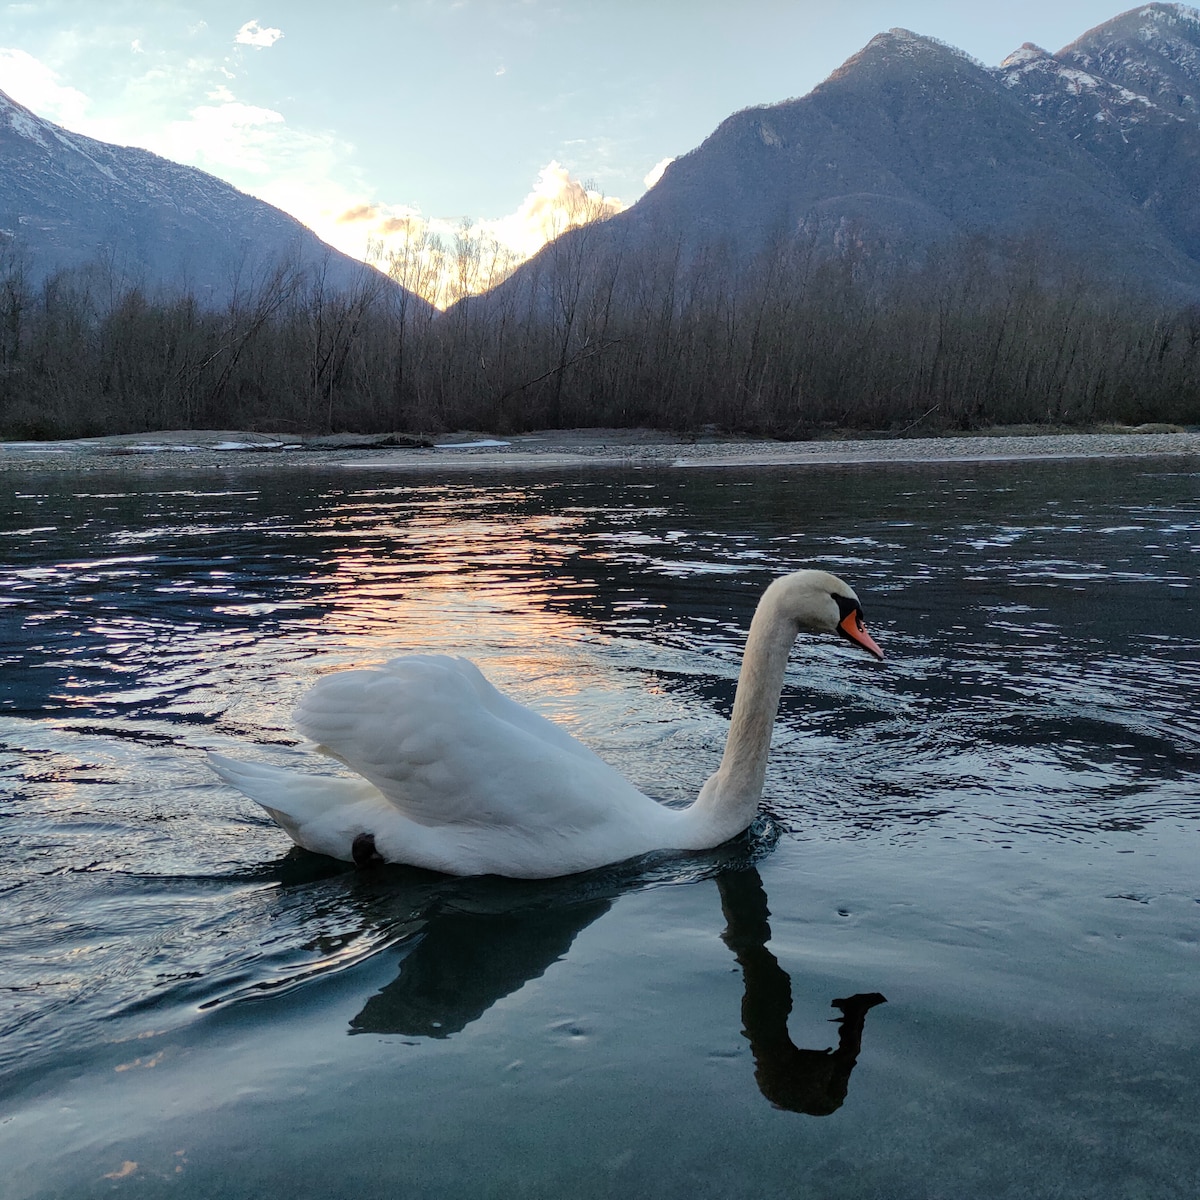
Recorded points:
446,748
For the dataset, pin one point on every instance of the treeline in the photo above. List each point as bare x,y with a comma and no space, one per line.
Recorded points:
793,343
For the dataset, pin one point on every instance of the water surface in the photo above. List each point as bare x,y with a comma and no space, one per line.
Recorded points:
996,830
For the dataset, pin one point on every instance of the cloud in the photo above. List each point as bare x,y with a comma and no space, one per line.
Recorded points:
360,212
227,134
256,35
557,202
656,172
36,86
405,226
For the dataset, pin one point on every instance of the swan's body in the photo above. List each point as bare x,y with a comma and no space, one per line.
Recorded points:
455,777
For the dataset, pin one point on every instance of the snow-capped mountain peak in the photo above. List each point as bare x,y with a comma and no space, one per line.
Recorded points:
70,201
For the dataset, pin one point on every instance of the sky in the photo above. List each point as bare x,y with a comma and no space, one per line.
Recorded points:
368,121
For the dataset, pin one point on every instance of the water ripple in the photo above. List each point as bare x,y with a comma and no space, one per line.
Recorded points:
1041,646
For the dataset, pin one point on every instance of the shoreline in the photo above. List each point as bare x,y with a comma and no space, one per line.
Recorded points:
570,449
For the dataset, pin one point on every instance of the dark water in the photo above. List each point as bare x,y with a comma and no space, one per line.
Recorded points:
997,830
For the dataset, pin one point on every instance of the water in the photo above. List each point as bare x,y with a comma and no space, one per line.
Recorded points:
996,830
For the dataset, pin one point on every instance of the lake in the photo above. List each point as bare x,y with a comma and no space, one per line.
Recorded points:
996,829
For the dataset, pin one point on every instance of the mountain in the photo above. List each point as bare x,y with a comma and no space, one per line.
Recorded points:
1128,92
1094,152
69,201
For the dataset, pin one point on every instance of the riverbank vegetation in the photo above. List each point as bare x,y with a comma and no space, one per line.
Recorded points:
792,343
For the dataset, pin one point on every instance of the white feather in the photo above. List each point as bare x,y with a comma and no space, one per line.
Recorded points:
454,776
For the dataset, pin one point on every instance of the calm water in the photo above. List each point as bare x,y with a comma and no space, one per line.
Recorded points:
997,830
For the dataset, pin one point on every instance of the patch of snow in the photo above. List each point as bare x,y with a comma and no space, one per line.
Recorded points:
904,41
25,125
1028,54
1134,98
481,444
1178,12
71,144
903,38
1078,81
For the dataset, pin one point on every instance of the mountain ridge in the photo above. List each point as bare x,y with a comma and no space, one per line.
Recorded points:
908,144
912,143
68,201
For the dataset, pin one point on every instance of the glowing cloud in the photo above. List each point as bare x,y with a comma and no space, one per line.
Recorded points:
656,172
443,260
256,35
360,212
227,134
36,86
556,203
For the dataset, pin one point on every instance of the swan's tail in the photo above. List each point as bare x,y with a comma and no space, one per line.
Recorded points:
292,799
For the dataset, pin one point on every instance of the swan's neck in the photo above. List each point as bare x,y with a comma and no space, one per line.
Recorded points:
730,797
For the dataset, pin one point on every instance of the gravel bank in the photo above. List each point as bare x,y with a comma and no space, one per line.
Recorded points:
569,448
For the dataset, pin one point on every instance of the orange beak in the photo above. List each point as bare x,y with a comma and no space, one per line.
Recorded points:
852,627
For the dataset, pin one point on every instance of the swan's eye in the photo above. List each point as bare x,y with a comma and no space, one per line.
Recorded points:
846,606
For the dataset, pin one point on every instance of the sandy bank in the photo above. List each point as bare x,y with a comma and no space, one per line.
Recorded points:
565,449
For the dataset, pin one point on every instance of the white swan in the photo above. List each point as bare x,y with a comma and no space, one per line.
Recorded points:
455,777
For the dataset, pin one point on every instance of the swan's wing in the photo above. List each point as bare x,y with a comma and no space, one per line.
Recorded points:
498,704
446,747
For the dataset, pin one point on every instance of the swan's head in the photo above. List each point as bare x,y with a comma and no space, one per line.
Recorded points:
821,603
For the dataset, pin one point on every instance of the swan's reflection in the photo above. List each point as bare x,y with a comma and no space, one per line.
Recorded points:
482,940
465,961
470,942
807,1081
